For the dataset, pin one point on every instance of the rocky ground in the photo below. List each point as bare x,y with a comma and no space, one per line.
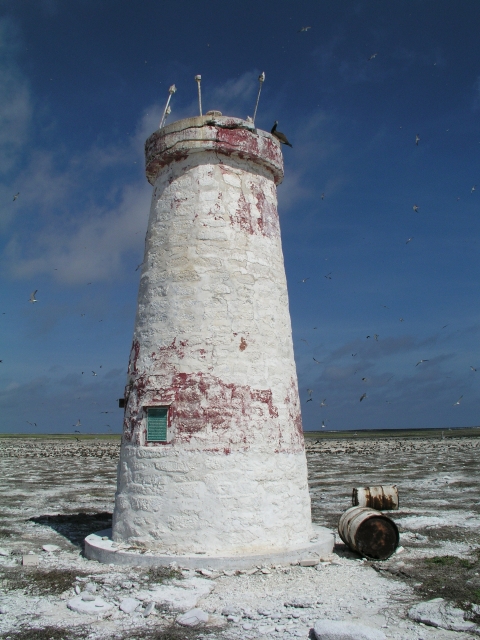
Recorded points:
53,492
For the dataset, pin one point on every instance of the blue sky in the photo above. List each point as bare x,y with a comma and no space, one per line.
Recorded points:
82,85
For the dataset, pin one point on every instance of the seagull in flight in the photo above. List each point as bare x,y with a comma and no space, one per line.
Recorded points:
79,424
303,29
317,361
420,362
33,424
458,401
323,424
417,139
354,354
310,400
16,196
374,55
474,188
409,240
310,391
364,395
323,196
93,373
32,296
328,276
375,335
304,279
472,368
323,403
415,208
281,137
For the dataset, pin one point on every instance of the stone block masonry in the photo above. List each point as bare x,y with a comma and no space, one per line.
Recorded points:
213,348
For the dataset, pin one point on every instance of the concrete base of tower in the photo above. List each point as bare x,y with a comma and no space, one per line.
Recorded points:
100,546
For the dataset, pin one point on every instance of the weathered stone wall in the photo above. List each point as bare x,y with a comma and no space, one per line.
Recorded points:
213,341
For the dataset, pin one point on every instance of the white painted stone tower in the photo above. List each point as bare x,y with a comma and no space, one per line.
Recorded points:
212,458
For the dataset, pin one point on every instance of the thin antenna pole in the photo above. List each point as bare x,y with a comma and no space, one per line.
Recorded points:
199,80
171,91
261,80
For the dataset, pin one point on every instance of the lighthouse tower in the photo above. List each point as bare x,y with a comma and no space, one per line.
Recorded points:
212,466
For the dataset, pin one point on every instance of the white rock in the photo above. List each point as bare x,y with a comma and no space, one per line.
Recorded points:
87,597
149,609
439,613
128,605
4,552
96,606
192,618
3,609
340,630
311,562
78,591
91,587
182,596
30,560
50,548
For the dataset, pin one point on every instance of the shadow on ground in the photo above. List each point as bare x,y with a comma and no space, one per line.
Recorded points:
76,526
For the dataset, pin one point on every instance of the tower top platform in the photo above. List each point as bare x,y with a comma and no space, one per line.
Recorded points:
224,135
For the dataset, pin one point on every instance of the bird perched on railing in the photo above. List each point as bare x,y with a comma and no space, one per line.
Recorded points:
281,137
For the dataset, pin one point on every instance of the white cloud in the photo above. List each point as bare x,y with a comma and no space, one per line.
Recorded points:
90,250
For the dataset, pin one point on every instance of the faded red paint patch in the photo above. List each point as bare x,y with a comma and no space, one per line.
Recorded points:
268,220
209,413
293,406
243,344
243,216
204,402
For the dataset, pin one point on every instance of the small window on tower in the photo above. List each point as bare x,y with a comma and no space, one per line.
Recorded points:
157,424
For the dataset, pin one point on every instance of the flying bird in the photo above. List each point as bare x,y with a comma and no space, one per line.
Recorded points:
417,139
374,55
76,431
474,188
303,29
16,196
304,279
364,379
415,208
323,196
79,424
420,362
402,320
375,335
328,276
93,373
323,403
458,401
32,296
323,424
364,395
409,240
472,368
354,354
281,137
33,424
310,400
309,391
317,361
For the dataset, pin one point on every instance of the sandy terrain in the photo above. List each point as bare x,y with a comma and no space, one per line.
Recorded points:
55,491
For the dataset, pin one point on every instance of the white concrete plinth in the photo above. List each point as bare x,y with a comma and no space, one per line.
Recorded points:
103,550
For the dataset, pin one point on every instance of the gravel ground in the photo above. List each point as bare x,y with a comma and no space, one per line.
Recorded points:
56,491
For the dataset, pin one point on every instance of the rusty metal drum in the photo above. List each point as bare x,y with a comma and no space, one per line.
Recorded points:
369,532
382,497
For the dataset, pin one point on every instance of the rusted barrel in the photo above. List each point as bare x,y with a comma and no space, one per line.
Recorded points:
369,532
382,497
